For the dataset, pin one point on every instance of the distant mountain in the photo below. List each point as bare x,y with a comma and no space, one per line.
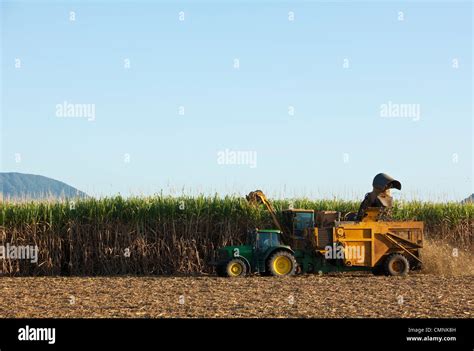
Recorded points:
469,198
20,186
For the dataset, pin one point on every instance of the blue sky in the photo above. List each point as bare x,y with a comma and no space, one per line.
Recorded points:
335,65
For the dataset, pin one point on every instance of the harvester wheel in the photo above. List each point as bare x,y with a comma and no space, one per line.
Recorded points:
282,263
396,264
236,268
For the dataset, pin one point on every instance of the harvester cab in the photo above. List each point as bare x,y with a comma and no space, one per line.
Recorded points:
298,226
298,221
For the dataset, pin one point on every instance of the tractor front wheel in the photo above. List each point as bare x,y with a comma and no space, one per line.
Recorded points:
282,263
236,268
396,264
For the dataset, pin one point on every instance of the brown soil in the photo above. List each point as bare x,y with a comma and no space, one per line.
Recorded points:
336,296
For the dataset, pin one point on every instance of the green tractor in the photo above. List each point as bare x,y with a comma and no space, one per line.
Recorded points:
263,253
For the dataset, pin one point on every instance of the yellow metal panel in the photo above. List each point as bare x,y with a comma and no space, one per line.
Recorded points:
381,247
357,253
359,233
371,236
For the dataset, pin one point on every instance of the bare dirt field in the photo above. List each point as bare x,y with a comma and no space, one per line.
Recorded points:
349,296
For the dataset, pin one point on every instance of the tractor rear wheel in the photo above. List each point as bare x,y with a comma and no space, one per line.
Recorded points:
396,264
282,263
236,268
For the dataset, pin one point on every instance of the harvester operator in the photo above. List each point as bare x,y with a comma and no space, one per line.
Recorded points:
380,195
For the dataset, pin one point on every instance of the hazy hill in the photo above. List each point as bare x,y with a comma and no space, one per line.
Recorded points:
19,185
469,198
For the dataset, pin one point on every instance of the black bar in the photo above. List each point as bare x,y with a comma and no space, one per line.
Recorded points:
319,334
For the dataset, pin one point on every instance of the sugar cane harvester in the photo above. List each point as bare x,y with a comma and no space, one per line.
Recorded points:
308,241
